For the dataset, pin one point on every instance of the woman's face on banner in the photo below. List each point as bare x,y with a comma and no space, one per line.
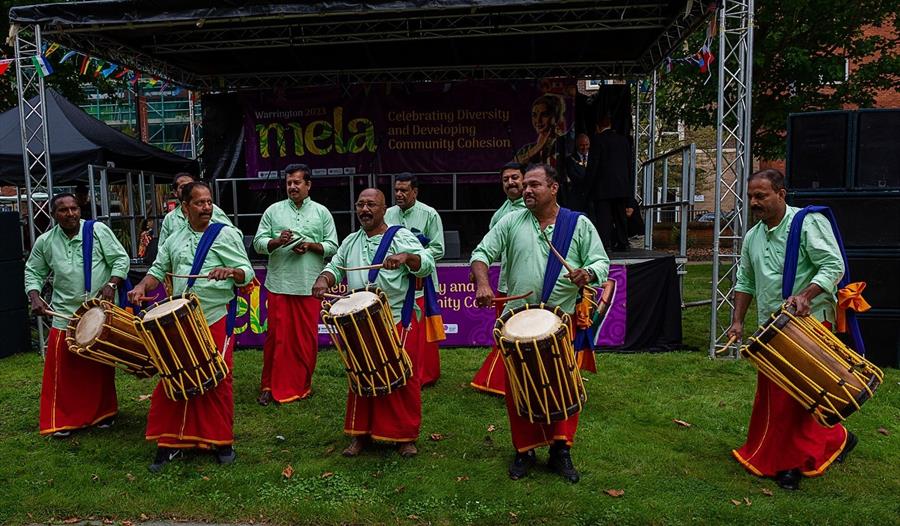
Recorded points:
541,118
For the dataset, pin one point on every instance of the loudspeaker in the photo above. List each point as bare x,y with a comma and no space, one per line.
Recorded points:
817,155
10,236
881,334
866,220
881,272
877,163
12,293
16,332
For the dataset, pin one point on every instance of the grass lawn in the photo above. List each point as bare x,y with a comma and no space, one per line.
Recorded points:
627,441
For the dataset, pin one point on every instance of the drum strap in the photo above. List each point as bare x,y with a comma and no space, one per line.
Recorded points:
409,302
87,262
792,254
203,248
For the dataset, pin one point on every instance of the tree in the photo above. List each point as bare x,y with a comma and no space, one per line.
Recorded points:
800,51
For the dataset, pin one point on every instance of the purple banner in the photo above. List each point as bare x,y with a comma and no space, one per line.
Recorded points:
425,127
465,324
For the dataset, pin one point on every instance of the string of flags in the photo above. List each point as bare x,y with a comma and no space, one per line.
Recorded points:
91,66
703,57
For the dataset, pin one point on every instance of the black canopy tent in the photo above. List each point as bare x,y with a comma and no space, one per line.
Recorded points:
76,141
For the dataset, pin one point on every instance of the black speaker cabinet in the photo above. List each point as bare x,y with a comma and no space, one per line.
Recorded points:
12,293
818,153
866,219
10,236
881,272
881,334
877,156
16,332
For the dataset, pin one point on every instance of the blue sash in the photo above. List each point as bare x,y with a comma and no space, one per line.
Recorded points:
87,262
381,253
203,247
434,322
792,253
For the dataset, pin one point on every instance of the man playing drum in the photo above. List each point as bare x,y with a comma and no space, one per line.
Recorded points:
394,417
491,378
204,421
425,222
297,234
76,392
177,219
784,441
519,240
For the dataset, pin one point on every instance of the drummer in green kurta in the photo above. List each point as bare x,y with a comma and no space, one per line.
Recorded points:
177,219
425,222
395,417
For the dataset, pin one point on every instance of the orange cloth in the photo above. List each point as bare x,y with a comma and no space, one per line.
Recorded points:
850,297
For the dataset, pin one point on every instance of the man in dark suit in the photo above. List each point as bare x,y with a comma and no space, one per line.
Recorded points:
609,184
575,173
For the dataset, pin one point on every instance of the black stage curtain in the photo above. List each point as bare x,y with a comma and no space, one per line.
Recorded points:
653,311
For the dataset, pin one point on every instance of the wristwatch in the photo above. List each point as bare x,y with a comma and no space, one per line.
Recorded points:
591,274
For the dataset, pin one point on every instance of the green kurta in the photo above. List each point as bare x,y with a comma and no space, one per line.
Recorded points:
358,250
54,251
518,241
287,272
227,250
762,264
507,207
176,220
421,218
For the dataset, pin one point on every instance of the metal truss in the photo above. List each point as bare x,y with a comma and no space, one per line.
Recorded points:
732,169
307,31
674,34
35,140
644,130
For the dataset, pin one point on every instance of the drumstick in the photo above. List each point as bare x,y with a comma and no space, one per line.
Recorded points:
188,276
511,298
365,267
334,296
725,347
557,254
292,242
57,315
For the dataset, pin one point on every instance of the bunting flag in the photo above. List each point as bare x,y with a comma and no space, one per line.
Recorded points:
52,49
67,56
4,65
84,65
42,65
122,73
108,71
98,69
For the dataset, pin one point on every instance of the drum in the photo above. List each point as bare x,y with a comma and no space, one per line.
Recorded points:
363,330
809,362
536,344
102,332
180,344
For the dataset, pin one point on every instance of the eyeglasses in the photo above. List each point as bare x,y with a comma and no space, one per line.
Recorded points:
370,205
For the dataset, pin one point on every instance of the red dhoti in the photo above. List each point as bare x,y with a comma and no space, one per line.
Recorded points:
292,346
527,436
76,392
203,421
429,366
783,435
394,417
491,378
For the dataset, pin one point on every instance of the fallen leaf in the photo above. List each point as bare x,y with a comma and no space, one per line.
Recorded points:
462,478
721,403
736,502
491,428
682,423
513,517
142,398
884,431
279,437
71,520
400,489
436,437
204,477
327,474
287,472
108,521
614,492
95,477
767,492
130,477
127,523
329,450
144,516
285,450
376,474
412,517
747,501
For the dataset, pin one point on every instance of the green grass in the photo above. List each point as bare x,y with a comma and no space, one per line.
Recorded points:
627,440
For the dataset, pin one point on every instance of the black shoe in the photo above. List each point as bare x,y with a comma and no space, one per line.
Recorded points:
106,423
62,434
561,462
789,479
521,464
164,455
226,455
848,447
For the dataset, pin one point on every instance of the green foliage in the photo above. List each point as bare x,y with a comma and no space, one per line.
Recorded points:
799,50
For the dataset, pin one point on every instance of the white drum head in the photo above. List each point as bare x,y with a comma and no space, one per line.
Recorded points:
90,325
531,324
353,303
166,308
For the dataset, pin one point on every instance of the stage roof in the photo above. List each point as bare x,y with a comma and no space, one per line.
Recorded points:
229,45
